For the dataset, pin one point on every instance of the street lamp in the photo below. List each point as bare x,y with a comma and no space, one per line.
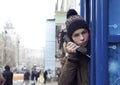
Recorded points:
5,55
7,27
18,42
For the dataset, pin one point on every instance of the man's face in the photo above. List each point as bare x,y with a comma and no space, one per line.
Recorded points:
80,37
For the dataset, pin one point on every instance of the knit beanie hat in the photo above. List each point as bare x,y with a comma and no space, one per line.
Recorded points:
71,12
74,22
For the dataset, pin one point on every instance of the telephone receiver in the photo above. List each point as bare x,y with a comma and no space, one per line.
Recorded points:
81,49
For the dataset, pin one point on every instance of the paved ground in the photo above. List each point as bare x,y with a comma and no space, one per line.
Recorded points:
18,80
48,83
38,83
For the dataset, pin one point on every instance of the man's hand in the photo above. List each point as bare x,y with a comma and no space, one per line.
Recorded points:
71,47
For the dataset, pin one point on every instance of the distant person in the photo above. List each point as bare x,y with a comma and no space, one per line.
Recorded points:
49,76
33,75
45,76
41,76
27,77
2,79
33,72
8,75
37,75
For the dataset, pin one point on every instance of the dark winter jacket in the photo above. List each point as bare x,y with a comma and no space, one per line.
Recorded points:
27,76
76,70
8,75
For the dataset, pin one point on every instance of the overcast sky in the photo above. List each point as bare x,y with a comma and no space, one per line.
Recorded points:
28,18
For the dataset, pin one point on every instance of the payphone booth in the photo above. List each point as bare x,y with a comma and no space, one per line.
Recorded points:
103,16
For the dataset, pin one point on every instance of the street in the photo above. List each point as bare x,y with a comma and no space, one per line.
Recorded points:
48,83
38,83
18,80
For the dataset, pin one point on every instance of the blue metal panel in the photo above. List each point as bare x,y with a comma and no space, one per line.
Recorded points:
114,38
114,42
114,64
82,8
88,11
105,40
98,44
114,19
101,43
92,26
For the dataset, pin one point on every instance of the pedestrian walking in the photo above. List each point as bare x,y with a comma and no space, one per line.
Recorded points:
42,76
8,75
37,75
27,77
45,76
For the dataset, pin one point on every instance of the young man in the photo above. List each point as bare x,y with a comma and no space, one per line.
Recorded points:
76,68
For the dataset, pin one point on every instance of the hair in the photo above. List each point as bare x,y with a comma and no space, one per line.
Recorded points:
7,67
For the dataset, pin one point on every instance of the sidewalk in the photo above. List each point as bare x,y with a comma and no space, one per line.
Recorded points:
48,83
